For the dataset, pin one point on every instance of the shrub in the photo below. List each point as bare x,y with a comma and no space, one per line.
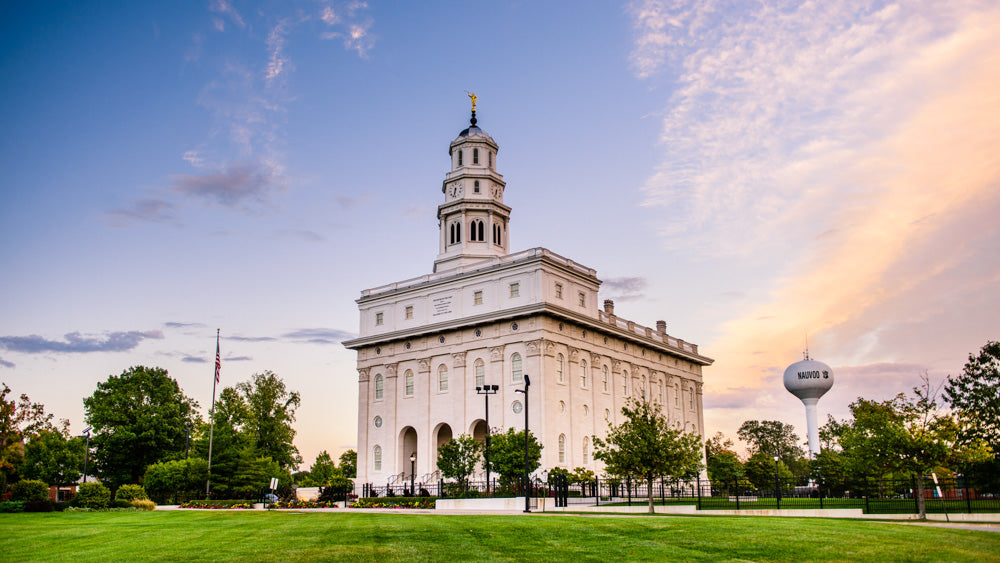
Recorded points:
131,492
120,503
144,504
38,506
337,490
92,495
61,506
11,506
30,489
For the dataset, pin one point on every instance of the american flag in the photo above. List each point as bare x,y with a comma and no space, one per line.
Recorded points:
218,360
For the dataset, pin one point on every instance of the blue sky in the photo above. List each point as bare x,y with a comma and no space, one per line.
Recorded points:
752,173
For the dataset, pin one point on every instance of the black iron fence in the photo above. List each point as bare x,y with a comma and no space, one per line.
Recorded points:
871,495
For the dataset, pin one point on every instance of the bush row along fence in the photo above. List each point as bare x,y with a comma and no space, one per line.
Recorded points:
871,495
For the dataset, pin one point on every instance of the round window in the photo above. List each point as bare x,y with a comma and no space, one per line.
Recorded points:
513,326
378,422
378,350
478,333
517,407
441,339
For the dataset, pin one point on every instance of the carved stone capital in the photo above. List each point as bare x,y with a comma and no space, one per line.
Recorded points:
424,365
362,374
550,347
574,355
533,347
458,359
390,371
496,353
595,359
616,366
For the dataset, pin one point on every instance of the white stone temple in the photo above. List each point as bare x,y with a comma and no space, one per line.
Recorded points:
489,316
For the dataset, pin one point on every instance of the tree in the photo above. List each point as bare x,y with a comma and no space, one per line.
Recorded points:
760,470
19,421
645,446
52,457
270,412
457,459
323,470
772,438
176,481
349,463
724,467
975,396
138,419
507,455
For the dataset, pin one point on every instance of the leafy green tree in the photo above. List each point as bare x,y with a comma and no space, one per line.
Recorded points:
507,455
645,446
270,409
323,470
725,469
349,463
975,396
177,480
52,457
770,437
760,470
30,490
457,459
138,419
19,421
829,470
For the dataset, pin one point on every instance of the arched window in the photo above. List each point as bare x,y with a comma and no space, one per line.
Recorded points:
604,379
475,156
451,234
459,158
562,448
662,390
677,394
583,374
482,236
515,368
408,382
458,232
475,187
480,370
691,398
625,383
378,386
560,363
642,389
377,458
586,450
491,159
442,378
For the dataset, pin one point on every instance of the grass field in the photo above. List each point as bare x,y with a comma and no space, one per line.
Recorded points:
873,506
264,536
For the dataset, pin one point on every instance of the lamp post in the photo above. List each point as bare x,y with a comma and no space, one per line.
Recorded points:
777,485
486,391
527,487
187,439
86,450
413,469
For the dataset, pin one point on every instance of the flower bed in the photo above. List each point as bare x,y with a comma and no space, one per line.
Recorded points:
218,504
303,504
391,502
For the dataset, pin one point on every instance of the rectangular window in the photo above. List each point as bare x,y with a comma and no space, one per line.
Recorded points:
515,290
477,298
378,319
559,291
409,311
583,299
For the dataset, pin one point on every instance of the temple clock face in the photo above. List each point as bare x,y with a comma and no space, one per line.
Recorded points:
455,190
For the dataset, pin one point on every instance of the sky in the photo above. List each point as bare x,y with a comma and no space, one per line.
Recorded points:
764,176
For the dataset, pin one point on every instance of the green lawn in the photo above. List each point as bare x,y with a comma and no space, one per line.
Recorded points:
217,535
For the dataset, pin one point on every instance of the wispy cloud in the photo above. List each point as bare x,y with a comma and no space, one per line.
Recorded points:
225,9
238,183
74,342
319,335
6,364
352,25
278,61
303,234
252,338
237,359
194,360
625,289
172,324
144,209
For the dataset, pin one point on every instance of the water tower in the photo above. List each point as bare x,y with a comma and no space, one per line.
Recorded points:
809,380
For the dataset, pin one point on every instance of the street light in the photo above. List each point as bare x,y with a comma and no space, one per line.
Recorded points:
187,438
86,451
413,469
486,391
527,487
777,485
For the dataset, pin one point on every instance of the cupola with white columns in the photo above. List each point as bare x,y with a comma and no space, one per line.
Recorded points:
473,219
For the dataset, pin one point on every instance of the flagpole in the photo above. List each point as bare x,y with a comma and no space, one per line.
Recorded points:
211,415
